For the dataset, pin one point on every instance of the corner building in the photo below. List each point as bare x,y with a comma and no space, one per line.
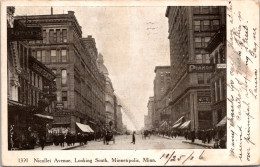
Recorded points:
190,30
80,86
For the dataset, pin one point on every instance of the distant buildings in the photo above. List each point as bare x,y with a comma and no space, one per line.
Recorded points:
161,83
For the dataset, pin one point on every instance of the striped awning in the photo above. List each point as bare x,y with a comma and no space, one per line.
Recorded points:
176,125
44,116
84,128
222,122
185,125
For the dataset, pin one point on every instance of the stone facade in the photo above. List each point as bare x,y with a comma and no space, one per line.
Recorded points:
190,30
80,86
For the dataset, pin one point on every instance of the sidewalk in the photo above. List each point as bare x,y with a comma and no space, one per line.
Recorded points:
196,142
53,147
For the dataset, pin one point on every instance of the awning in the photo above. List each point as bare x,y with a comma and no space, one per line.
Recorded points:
176,125
44,116
222,122
179,120
164,123
84,128
185,125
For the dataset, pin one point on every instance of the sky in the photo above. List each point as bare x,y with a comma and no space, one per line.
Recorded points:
132,40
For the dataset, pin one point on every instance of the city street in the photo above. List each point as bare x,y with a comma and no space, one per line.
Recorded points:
155,142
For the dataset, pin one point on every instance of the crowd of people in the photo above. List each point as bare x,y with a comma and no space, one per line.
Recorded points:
206,136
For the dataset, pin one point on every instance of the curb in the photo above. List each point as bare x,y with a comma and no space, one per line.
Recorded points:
203,145
68,148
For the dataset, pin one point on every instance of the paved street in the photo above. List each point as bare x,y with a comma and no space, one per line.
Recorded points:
124,142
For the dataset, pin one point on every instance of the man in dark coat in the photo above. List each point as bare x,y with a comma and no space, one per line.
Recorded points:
42,140
133,138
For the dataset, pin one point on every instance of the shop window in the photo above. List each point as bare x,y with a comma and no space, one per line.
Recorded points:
196,25
199,58
64,77
206,25
215,24
200,78
51,36
53,56
63,55
64,96
197,42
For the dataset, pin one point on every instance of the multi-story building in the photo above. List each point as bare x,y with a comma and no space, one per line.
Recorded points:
217,50
80,86
151,114
30,87
190,30
161,84
109,93
119,119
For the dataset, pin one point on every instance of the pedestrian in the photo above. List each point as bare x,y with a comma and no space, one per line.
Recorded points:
42,141
133,138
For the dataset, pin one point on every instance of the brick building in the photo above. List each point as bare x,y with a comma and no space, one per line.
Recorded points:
190,30
30,89
80,86
161,84
151,114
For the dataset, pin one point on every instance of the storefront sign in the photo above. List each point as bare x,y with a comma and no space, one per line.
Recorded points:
28,33
60,105
220,66
204,99
42,71
200,68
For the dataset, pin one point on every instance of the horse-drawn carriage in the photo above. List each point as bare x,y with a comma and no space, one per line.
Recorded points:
109,136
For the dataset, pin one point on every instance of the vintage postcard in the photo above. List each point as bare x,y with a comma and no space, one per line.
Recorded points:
130,83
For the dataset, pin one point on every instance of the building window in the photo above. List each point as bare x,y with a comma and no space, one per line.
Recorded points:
205,10
220,89
215,24
196,25
222,57
215,10
44,36
197,42
207,58
216,57
200,78
53,56
38,55
58,36
64,35
216,91
207,77
55,72
64,96
33,54
43,56
51,36
206,25
63,55
207,39
64,77
196,10
199,58
54,37
223,87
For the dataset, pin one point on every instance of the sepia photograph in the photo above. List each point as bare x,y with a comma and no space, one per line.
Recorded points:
130,83
66,89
